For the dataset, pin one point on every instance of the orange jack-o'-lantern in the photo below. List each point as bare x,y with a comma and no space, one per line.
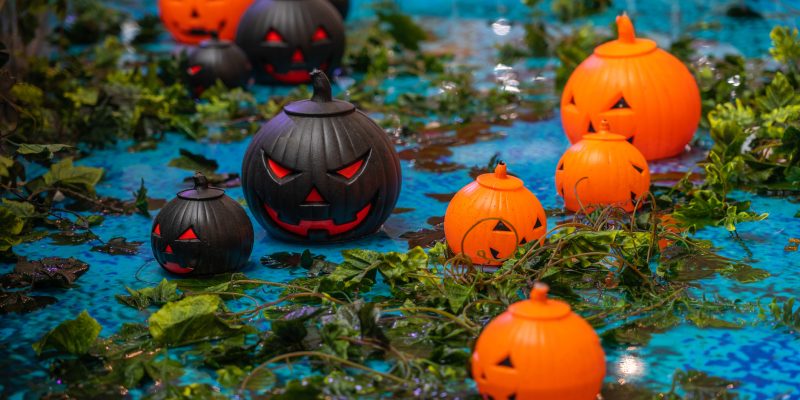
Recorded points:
602,169
489,218
645,93
192,21
538,349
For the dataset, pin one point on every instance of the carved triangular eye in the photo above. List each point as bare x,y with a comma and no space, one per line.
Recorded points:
506,362
157,230
561,166
621,103
637,168
523,241
188,235
634,197
501,227
495,253
630,140
538,223
512,396
572,100
591,128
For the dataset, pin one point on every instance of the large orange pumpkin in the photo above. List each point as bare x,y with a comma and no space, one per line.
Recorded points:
192,21
538,349
489,218
645,93
602,169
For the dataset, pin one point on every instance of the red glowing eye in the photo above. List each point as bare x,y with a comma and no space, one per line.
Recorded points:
188,235
279,170
350,170
319,34
194,69
273,37
168,250
157,230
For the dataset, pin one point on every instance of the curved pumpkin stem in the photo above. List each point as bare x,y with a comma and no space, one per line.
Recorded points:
539,291
501,170
200,180
322,87
625,30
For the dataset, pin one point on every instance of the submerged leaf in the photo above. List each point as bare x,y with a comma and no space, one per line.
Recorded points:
47,272
74,336
118,246
20,302
194,162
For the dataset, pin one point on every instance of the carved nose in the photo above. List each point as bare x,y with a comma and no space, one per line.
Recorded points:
195,14
297,57
314,197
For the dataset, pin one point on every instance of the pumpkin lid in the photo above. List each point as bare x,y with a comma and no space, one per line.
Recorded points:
604,134
499,179
627,44
539,307
201,190
322,103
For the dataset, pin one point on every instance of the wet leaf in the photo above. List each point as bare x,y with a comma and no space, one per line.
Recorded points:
744,273
47,272
402,210
442,197
72,237
194,162
21,303
74,336
118,246
193,318
158,295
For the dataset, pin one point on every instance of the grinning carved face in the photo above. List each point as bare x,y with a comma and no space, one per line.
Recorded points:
321,177
200,232
286,40
488,219
192,21
644,93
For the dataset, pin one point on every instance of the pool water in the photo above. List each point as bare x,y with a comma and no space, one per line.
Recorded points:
763,359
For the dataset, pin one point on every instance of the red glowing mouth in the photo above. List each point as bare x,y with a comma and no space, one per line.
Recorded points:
293,76
333,229
176,268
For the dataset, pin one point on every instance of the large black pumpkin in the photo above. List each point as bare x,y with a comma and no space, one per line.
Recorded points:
343,6
201,232
287,39
217,59
321,171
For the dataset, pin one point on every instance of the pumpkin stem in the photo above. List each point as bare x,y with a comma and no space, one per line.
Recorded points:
200,180
501,171
322,87
604,126
625,30
539,291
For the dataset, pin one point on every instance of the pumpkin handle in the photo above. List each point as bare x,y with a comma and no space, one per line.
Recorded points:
625,30
539,292
501,170
322,87
200,181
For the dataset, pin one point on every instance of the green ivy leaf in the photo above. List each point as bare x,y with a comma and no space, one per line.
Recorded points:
80,178
74,336
43,150
140,299
744,273
194,162
193,318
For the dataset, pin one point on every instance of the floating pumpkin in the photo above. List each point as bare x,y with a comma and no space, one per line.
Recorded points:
645,93
201,232
602,169
321,171
192,21
287,39
216,59
489,218
343,6
539,350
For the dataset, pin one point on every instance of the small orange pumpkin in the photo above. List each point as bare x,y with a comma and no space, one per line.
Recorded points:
489,218
192,21
602,169
538,349
645,93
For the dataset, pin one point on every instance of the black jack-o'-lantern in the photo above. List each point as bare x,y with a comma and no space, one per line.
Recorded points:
216,59
202,232
321,171
287,39
343,6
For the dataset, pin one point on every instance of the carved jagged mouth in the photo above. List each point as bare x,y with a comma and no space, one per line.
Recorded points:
293,76
305,226
176,268
203,32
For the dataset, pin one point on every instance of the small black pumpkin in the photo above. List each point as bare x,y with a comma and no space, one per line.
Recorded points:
217,59
287,39
321,171
343,6
201,232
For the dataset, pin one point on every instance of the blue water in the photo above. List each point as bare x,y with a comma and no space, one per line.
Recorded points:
762,358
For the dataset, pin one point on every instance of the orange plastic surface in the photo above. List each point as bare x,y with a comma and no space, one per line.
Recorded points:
187,19
489,218
541,358
645,93
602,169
